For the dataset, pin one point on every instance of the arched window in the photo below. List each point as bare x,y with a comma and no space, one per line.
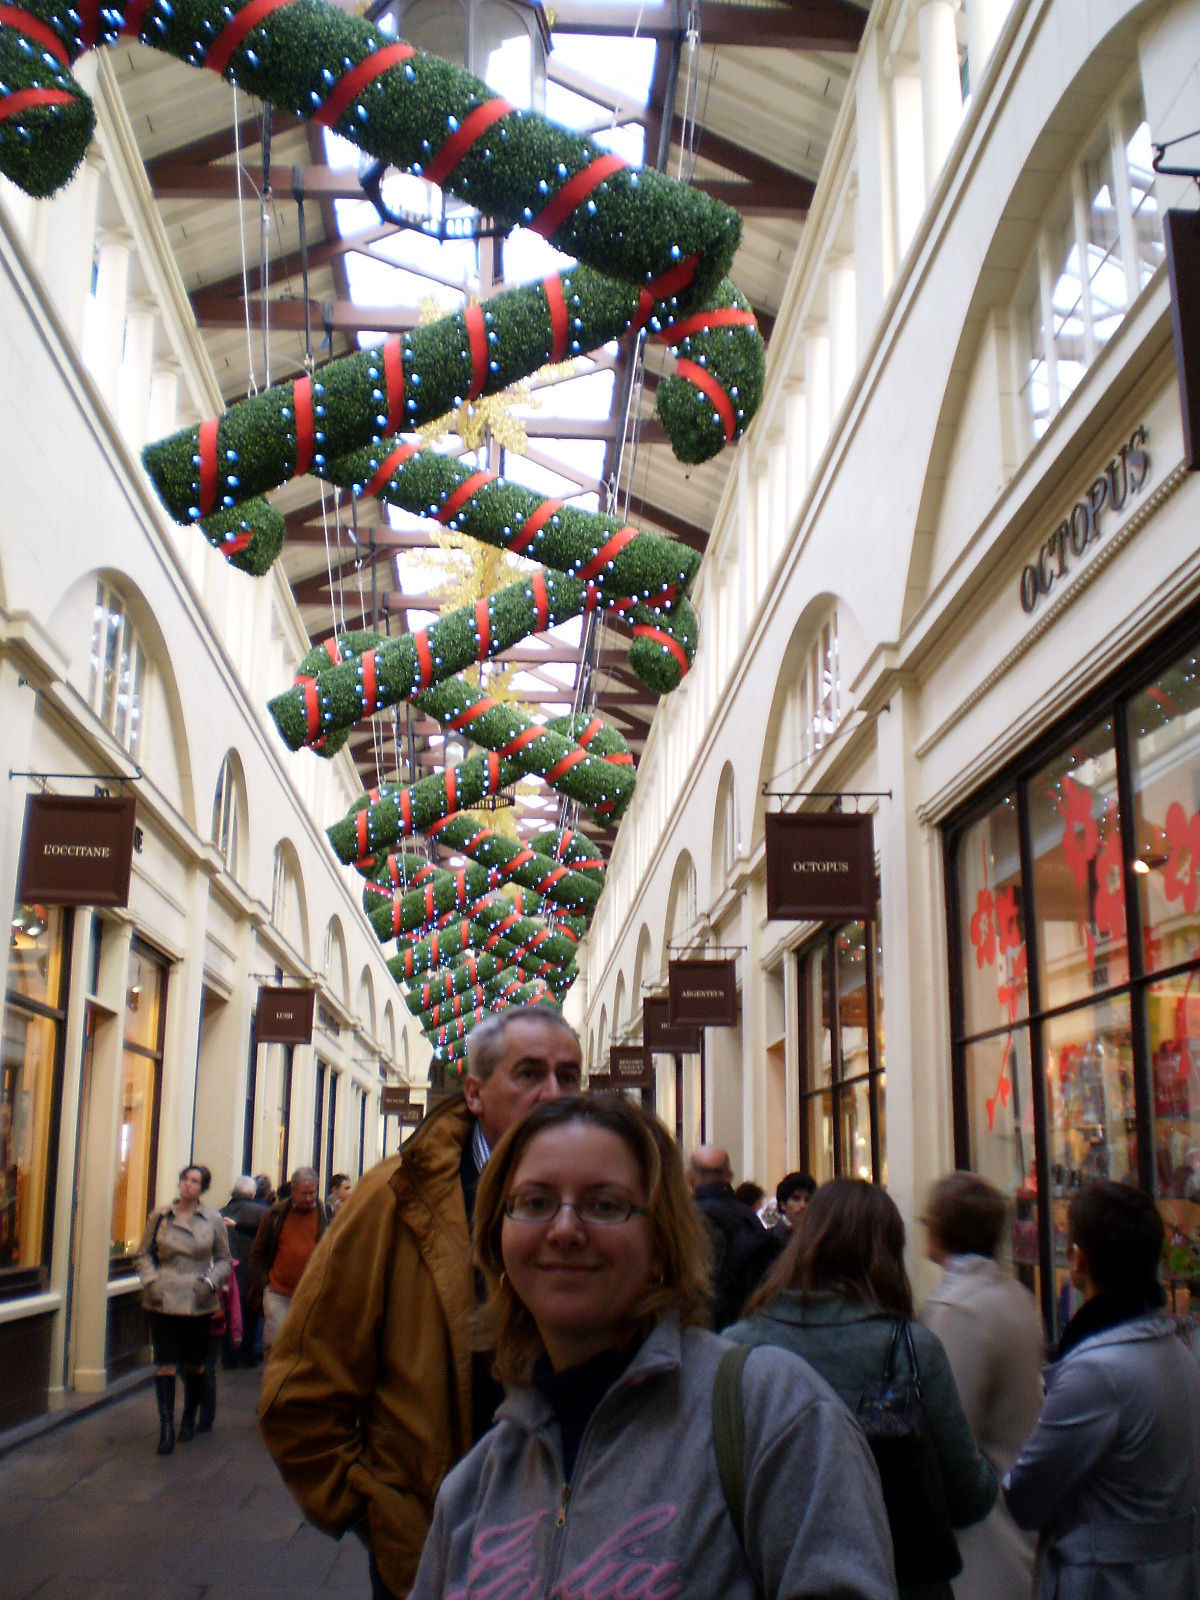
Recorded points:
1097,249
118,676
820,692
288,914
225,817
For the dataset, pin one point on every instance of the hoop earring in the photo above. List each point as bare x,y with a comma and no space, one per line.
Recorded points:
503,1280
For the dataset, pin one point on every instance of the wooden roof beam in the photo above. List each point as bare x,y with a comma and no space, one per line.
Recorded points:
826,25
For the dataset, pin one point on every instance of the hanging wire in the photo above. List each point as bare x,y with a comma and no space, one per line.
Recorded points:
237,158
264,224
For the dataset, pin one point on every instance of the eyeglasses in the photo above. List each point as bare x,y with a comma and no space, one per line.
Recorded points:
601,1210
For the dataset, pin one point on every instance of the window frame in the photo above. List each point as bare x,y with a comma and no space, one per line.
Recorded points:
127,727
1111,698
810,1091
1070,198
122,1265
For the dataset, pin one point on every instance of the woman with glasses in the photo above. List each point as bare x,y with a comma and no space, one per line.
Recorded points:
601,1476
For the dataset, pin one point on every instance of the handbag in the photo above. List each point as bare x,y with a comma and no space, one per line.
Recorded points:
892,1415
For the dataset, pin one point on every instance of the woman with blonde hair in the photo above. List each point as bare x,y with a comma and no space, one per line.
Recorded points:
602,1476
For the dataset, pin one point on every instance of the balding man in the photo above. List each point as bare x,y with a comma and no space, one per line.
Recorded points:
742,1248
286,1239
372,1392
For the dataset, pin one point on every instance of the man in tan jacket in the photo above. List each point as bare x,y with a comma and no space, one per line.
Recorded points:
371,1393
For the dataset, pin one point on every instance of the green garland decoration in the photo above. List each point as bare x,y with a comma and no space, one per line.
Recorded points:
422,115
46,120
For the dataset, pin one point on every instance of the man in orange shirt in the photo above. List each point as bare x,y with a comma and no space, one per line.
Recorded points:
287,1236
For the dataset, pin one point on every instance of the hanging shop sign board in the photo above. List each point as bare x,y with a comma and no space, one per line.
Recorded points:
630,1067
661,1035
393,1099
820,867
1106,497
600,1079
77,850
1181,235
411,1115
284,1016
702,994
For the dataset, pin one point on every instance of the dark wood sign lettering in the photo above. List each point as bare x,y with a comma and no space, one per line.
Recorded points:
630,1067
1075,535
600,1079
702,993
660,1034
820,866
284,1016
76,850
411,1115
1181,235
393,1099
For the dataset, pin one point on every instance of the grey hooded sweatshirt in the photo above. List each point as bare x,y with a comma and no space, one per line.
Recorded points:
644,1516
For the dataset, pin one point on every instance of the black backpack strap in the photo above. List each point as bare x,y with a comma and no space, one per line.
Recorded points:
729,1434
912,1356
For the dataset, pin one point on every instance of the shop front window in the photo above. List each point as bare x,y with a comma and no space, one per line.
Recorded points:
30,1088
1087,1049
841,1066
141,1085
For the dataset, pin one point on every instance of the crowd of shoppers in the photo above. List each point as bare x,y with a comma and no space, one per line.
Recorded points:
497,1370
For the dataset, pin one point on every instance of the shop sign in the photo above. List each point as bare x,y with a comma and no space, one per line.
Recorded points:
600,1079
77,850
284,1016
703,993
1076,534
1181,235
393,1099
660,1034
820,867
411,1115
630,1068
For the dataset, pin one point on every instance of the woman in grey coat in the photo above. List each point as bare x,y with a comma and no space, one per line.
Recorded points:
992,1333
1110,1477
835,1298
183,1260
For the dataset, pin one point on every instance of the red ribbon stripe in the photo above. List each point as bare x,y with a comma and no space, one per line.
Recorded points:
358,78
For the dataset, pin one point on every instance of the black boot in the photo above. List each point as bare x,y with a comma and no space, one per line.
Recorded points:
208,1402
164,1388
193,1389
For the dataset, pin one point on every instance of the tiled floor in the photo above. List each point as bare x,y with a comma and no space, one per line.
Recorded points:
91,1513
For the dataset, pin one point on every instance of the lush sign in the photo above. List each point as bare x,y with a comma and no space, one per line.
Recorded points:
284,1016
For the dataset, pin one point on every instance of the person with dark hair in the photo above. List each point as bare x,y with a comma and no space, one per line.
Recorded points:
183,1260
601,1477
742,1249
991,1331
1110,1476
750,1194
243,1213
836,1297
373,1391
792,1194
339,1192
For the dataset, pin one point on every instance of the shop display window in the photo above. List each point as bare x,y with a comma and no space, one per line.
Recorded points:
1080,1059
31,1045
841,1065
141,1087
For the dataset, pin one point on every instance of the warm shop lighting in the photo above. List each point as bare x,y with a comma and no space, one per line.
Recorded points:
1141,866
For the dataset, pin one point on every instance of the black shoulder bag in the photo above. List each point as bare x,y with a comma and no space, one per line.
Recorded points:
892,1416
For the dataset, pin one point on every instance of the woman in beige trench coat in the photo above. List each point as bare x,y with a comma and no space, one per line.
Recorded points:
183,1260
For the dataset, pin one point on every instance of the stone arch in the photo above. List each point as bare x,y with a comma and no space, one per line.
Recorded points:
619,998
780,768
643,970
366,1000
334,961
289,900
1103,64
389,1031
167,760
726,839
602,1035
681,916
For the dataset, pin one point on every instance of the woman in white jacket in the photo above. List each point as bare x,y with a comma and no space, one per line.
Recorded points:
991,1331
600,1479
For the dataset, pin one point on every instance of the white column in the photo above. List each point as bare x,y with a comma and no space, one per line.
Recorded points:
763,533
794,429
747,509
135,373
874,212
941,86
843,335
164,402
908,151
781,522
985,18
21,208
67,246
816,389
106,321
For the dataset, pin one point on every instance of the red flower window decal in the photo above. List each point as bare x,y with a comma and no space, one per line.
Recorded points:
1110,888
1081,835
1181,879
983,929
